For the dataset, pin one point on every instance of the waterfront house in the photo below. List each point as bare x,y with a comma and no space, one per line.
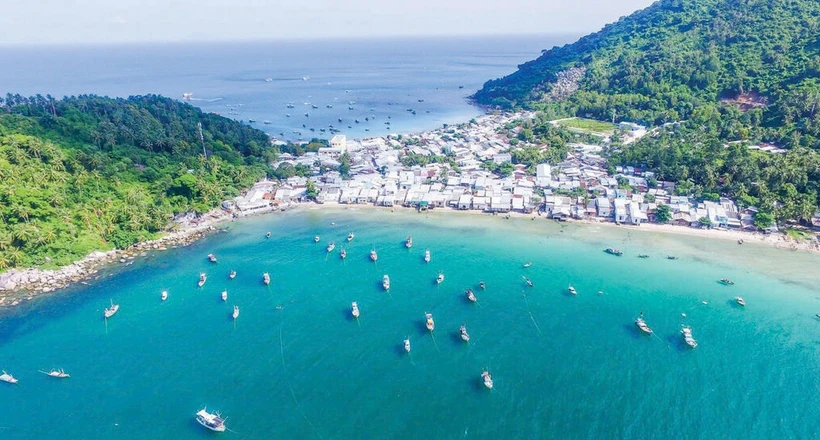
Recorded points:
604,207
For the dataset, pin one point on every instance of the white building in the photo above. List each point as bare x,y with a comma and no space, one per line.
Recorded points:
339,141
543,171
620,211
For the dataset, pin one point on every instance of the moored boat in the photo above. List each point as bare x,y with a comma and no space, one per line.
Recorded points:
527,280
386,282
350,236
427,256
462,331
671,257
572,290
232,275
527,264
212,258
224,295
482,285
613,251
8,378
331,246
407,344
235,312
164,295
316,239
727,281
267,235
110,311
202,279
355,309
266,278
740,301
409,242
470,295
488,380
641,324
373,255
687,337
430,323
56,373
439,278
343,254
643,256
214,422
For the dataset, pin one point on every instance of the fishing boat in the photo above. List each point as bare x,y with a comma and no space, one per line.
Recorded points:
462,331
59,374
8,378
488,380
687,337
224,295
267,235
572,290
211,421
343,254
642,325
527,280
350,237
202,279
430,324
212,258
110,311
266,278
164,295
407,345
386,282
235,312
482,285
727,281
232,274
316,239
439,278
373,255
470,295
409,242
643,256
613,251
331,246
671,257
528,264
740,301
427,256
355,306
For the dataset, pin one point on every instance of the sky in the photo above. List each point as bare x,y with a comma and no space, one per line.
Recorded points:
25,22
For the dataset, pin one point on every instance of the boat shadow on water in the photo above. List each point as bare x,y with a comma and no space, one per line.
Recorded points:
634,332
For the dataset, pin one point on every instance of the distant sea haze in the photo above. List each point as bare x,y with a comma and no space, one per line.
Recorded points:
389,86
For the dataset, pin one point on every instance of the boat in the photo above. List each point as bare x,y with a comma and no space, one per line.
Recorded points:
110,311
386,282
266,278
613,251
740,301
290,105
331,246
224,295
427,256
355,306
373,255
463,332
528,264
671,257
407,345
642,325
470,295
409,242
8,378
267,80
164,295
266,122
643,256
482,285
187,96
527,280
687,337
202,279
727,281
316,239
212,258
235,312
232,275
430,324
59,374
740,241
211,421
343,254
350,237
439,278
572,290
488,380
267,235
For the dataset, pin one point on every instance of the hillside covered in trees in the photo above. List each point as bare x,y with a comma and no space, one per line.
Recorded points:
726,71
91,173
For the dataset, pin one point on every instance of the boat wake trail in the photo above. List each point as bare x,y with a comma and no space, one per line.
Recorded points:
434,342
532,318
287,380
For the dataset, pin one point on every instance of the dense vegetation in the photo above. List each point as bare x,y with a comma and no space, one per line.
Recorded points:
91,173
733,70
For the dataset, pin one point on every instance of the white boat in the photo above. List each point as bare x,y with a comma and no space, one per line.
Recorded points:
232,275
202,279
331,246
409,242
386,282
224,295
488,380
355,309
59,374
212,258
527,280
463,332
267,235
740,301
430,324
407,345
235,312
350,236
110,311
343,254
687,337
527,264
482,285
642,325
427,256
266,278
316,239
214,422
164,295
8,378
187,96
439,278
470,295
572,290
373,255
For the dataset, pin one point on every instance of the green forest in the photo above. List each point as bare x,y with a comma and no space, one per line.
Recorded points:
724,71
92,173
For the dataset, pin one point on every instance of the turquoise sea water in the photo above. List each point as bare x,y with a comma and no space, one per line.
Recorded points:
564,366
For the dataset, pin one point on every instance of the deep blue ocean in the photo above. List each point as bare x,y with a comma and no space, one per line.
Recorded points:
373,81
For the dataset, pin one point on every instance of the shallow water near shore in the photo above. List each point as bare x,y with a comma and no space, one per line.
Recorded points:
296,365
